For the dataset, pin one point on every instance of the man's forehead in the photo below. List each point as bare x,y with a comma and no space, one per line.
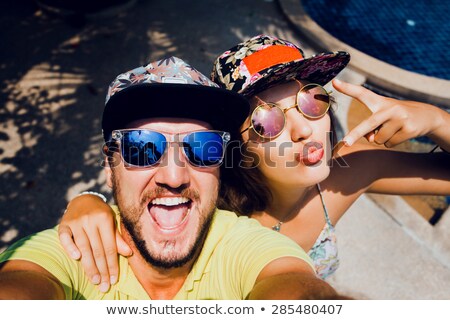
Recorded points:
170,125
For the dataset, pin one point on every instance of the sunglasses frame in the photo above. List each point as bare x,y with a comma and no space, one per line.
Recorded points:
296,105
117,136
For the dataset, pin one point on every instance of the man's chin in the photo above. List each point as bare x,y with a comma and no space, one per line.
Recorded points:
173,252
169,253
170,260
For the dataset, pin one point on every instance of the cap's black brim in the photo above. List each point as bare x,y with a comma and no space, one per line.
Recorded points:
222,109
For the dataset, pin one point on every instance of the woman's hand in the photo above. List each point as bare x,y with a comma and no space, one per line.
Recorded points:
88,232
395,121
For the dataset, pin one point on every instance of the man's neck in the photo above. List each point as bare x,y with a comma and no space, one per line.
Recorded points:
159,283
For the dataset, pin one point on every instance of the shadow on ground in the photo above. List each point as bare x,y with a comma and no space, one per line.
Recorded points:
54,79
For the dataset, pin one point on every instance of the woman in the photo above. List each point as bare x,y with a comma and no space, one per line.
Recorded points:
287,180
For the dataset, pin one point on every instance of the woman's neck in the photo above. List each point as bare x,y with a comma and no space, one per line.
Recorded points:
286,202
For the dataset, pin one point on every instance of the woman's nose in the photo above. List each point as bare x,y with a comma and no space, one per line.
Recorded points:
298,126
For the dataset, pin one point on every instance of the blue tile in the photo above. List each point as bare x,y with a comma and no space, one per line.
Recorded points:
413,35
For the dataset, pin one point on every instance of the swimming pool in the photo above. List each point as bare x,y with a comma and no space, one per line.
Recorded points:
412,35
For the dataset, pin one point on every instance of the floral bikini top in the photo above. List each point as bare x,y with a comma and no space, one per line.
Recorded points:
324,252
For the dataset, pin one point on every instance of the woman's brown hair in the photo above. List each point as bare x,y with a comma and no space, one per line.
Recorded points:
243,188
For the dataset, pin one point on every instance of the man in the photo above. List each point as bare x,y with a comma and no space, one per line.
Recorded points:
163,166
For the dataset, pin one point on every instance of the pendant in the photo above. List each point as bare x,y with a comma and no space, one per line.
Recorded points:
277,227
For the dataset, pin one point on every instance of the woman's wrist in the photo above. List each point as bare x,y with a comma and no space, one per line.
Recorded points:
101,196
441,135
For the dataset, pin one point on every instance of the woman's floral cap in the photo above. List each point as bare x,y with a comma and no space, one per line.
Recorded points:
265,61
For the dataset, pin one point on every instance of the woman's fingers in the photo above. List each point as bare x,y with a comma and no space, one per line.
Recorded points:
370,136
373,101
97,250
87,259
108,238
369,98
393,121
366,127
399,137
100,260
387,132
122,247
66,239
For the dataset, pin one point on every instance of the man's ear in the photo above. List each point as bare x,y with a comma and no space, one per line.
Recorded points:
109,161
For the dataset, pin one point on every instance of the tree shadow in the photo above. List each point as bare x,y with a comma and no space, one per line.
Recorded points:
54,80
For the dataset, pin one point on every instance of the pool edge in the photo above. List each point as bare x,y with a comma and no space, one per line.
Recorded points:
405,83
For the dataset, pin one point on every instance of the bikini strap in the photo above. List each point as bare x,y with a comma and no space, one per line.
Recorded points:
327,218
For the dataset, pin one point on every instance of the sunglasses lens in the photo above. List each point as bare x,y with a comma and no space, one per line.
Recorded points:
143,148
313,100
268,120
204,149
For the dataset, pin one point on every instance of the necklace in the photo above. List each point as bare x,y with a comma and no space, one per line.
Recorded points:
277,226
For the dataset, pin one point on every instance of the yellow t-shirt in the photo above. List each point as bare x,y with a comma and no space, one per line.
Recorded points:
235,251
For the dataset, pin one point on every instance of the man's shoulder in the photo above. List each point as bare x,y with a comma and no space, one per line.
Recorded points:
46,239
45,250
237,249
42,248
240,228
229,218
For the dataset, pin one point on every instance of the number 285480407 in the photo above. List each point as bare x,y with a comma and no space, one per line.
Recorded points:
306,309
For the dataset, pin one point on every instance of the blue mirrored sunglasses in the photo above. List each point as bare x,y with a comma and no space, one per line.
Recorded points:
145,148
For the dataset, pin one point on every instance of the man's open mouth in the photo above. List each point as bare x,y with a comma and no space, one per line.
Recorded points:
170,212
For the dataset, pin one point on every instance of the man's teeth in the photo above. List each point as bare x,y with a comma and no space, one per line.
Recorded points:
170,201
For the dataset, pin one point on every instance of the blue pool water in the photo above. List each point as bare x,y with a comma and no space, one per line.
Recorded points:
411,34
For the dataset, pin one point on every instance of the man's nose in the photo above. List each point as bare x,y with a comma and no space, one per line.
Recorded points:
173,171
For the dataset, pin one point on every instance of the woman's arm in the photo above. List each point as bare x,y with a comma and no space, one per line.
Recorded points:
393,122
392,172
88,232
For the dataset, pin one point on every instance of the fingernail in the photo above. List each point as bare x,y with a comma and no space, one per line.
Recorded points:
337,81
104,286
96,279
348,141
74,255
113,279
